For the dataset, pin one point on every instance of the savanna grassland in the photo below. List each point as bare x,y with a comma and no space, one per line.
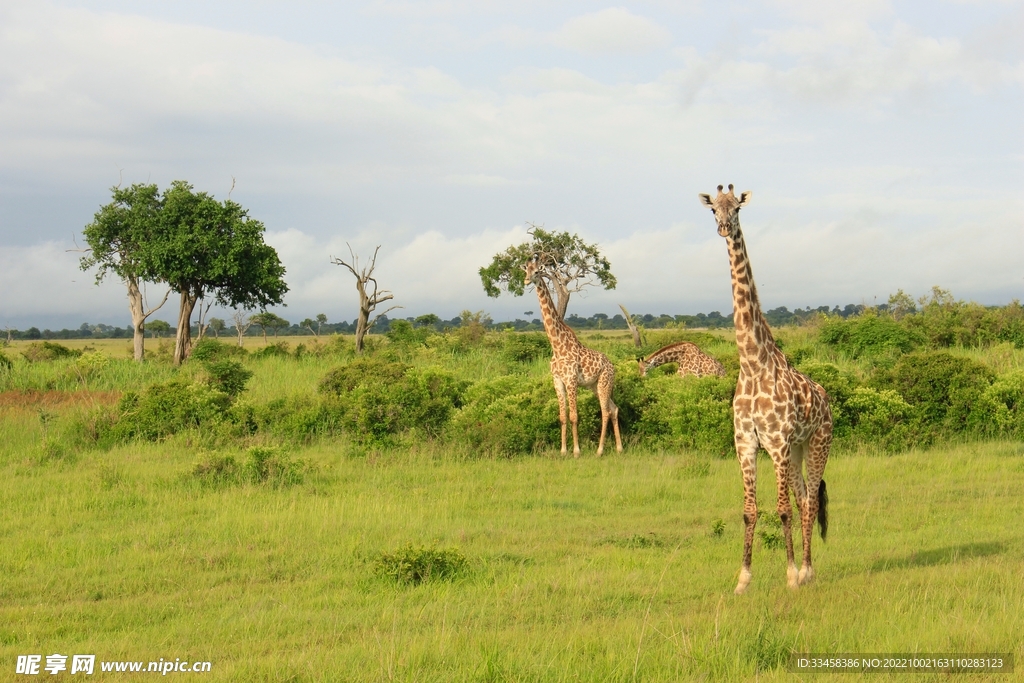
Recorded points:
304,515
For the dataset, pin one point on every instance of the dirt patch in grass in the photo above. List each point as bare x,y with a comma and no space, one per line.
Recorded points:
32,399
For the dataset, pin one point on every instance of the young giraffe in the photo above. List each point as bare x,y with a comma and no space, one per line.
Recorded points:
690,358
574,365
775,407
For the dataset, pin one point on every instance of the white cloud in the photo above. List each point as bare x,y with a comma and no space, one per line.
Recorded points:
43,283
611,31
421,152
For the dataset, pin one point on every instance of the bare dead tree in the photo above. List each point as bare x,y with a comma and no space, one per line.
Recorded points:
242,323
369,295
632,327
203,322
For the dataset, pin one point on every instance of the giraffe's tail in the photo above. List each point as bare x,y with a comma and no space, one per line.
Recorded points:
822,510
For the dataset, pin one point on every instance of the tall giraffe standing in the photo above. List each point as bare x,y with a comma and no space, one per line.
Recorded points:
690,359
775,407
574,365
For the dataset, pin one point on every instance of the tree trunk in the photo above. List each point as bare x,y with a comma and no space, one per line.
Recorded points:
135,304
561,297
183,339
364,316
632,327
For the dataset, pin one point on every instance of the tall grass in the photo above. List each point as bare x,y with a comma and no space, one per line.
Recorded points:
120,556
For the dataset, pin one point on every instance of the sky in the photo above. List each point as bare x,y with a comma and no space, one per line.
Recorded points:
883,143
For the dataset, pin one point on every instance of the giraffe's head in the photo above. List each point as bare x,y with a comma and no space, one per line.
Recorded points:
532,269
726,207
643,366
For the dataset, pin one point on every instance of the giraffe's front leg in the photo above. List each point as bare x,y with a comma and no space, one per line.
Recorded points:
782,458
571,391
746,452
560,391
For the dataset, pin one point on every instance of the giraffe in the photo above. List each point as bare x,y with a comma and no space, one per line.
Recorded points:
775,407
690,358
573,365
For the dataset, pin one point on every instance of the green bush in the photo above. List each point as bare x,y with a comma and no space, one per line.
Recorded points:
403,333
1000,410
163,410
274,350
207,349
943,388
422,401
298,419
947,322
882,417
344,379
869,334
216,470
228,376
413,566
689,412
45,351
267,466
509,416
336,346
376,399
524,347
5,363
91,363
264,466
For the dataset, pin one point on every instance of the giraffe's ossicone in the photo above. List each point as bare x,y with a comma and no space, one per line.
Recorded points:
775,407
574,365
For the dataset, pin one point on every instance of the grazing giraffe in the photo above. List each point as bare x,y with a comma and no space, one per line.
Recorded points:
775,407
574,365
688,356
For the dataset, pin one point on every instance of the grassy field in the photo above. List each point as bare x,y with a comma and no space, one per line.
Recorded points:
612,569
605,569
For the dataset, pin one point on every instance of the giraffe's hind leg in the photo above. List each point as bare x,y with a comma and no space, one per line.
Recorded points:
817,456
796,484
609,411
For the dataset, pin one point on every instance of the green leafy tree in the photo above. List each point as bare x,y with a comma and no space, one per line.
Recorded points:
265,320
567,262
278,323
159,327
320,321
121,241
205,248
216,326
428,320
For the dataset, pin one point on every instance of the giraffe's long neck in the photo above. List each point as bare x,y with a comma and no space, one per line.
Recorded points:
559,334
754,338
669,354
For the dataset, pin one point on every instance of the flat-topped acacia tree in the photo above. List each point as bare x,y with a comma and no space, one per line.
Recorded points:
205,248
563,259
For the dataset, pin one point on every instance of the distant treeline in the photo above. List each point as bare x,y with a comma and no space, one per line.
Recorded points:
777,317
